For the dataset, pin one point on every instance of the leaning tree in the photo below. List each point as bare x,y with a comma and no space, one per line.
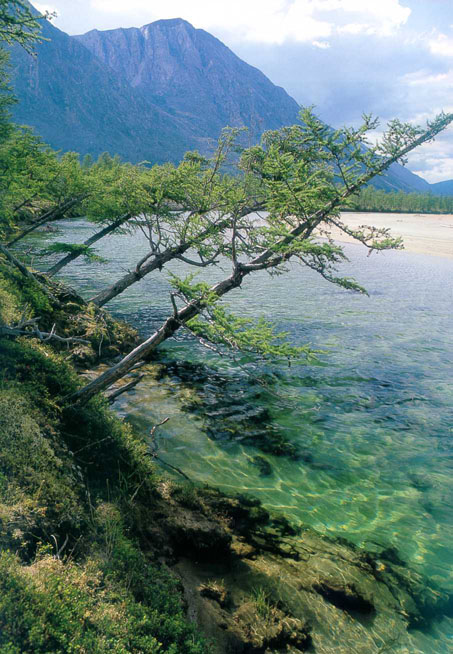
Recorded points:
302,176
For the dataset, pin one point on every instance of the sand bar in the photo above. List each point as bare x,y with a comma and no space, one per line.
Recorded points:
421,233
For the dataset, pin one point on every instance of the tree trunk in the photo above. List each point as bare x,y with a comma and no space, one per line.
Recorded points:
170,327
93,239
130,278
161,259
50,216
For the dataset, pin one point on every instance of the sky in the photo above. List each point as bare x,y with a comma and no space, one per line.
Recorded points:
390,58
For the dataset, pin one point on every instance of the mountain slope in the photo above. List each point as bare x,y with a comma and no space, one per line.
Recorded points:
191,74
151,93
75,102
442,188
400,178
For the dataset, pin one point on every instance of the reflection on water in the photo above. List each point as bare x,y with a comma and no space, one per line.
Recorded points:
373,418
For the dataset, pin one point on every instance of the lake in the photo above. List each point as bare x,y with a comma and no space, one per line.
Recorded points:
358,444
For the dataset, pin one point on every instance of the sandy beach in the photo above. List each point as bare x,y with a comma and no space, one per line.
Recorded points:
421,233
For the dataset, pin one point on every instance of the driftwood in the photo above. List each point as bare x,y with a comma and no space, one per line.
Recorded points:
123,389
30,329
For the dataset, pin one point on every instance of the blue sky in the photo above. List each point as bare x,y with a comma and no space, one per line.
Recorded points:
392,58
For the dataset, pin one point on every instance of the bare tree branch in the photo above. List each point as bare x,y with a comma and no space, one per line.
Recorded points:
30,329
111,397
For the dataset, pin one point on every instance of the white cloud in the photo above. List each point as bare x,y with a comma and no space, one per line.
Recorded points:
424,78
353,28
435,164
430,90
323,45
45,7
383,17
442,45
272,21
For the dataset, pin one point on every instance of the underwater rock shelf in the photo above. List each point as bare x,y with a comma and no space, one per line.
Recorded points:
253,583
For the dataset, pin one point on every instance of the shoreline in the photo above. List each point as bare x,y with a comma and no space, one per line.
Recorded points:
421,233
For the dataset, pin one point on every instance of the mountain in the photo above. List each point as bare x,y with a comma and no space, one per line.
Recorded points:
442,188
192,75
75,102
150,93
399,178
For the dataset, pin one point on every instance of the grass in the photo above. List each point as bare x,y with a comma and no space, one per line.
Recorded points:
74,485
262,603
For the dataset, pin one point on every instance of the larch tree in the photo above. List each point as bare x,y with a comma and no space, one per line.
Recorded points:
303,175
187,209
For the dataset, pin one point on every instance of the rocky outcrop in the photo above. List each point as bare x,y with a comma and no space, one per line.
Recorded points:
255,584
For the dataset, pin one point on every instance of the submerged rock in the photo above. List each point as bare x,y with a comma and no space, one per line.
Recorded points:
230,408
263,465
255,584
259,628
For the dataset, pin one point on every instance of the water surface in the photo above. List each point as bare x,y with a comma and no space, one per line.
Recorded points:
373,418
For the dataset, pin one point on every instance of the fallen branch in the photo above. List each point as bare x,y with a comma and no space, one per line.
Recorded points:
30,329
111,397
154,447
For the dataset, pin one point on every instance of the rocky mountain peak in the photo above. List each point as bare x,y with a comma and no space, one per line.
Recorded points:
191,74
149,93
168,23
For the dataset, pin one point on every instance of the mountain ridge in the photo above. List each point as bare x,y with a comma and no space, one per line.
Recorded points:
77,103
151,93
188,72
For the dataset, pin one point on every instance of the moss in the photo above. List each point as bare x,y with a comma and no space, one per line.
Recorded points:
63,608
38,373
24,290
40,489
9,311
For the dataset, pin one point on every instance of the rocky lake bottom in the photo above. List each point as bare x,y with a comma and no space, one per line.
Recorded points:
356,446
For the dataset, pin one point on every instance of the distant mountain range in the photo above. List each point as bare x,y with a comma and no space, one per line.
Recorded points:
151,93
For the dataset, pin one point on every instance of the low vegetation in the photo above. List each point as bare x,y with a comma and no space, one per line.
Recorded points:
73,577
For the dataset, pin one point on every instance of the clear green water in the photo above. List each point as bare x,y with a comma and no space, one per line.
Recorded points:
375,415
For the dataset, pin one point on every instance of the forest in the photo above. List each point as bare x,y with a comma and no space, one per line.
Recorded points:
377,200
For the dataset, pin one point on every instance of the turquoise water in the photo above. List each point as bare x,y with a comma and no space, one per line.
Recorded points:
373,418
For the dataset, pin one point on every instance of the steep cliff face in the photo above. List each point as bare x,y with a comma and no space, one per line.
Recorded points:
191,74
76,102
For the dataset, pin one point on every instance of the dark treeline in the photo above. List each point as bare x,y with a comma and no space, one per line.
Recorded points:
377,200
